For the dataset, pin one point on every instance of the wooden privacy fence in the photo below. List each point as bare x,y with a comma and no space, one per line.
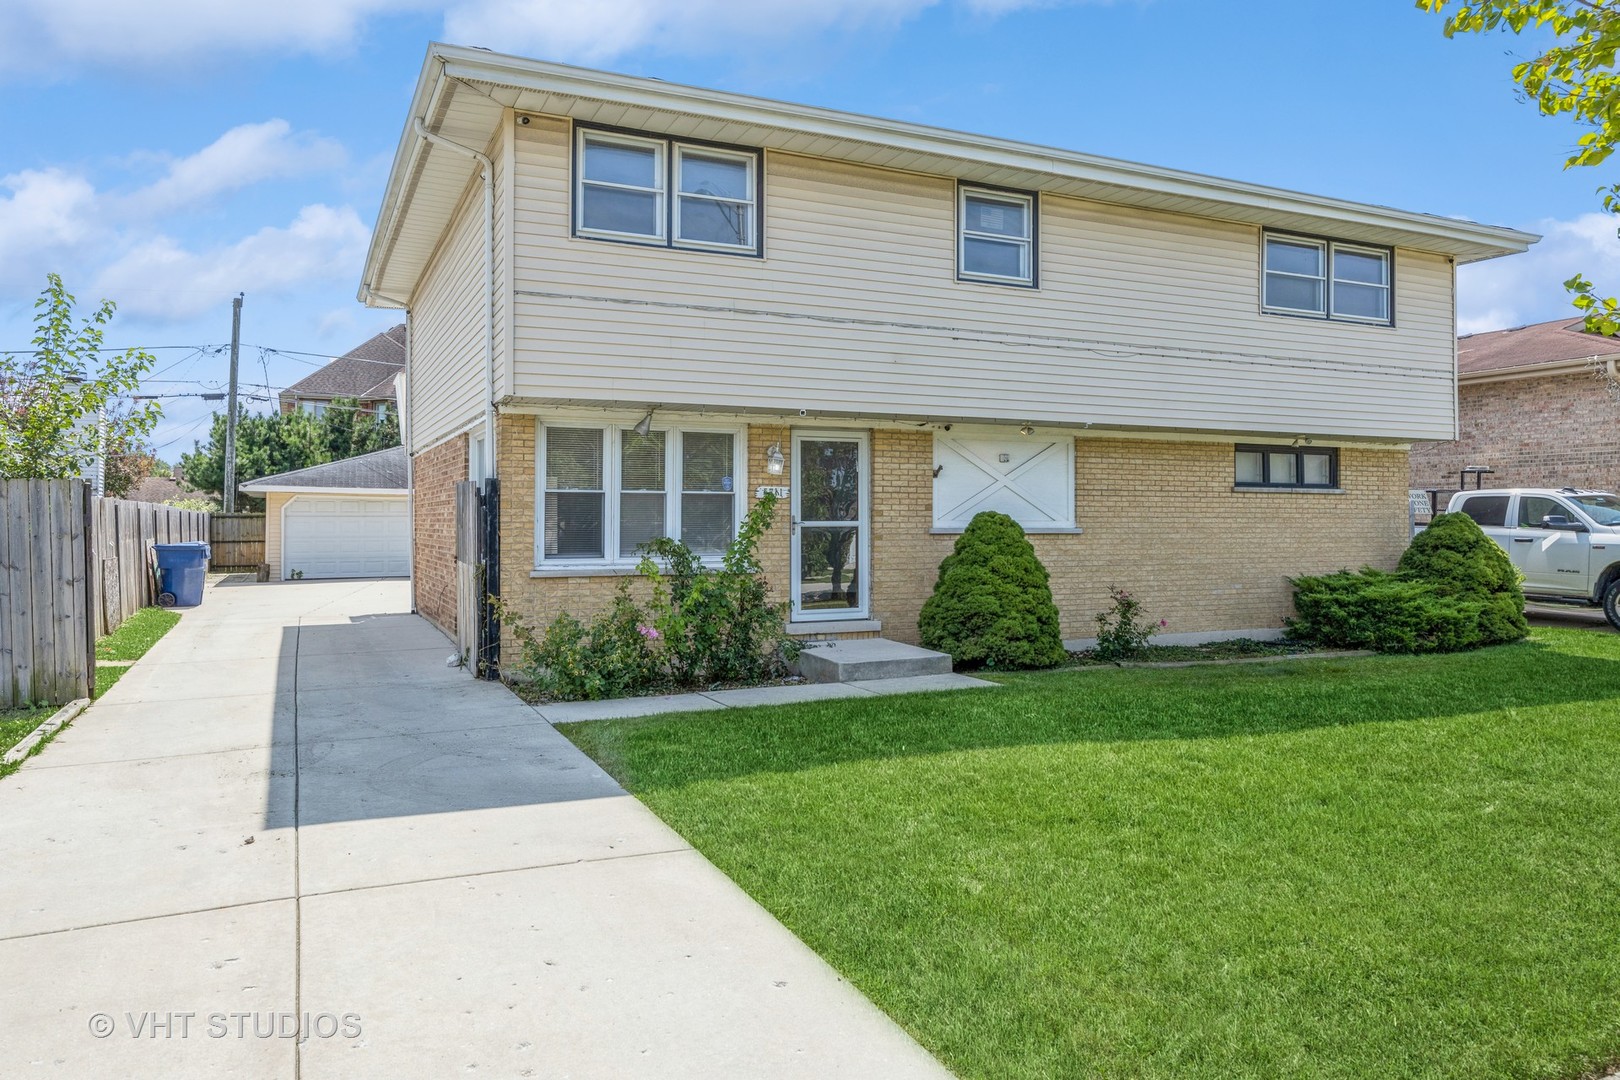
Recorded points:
47,632
72,568
122,536
236,541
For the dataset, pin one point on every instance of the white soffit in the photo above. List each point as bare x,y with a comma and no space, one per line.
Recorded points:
462,94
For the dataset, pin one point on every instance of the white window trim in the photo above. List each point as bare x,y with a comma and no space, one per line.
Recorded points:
659,147
611,466
1266,271
963,234
1328,279
750,163
1384,256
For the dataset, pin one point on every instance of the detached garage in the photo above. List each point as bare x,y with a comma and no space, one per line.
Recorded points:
344,519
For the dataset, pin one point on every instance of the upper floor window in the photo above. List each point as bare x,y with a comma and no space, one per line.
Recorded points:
995,236
1327,279
662,191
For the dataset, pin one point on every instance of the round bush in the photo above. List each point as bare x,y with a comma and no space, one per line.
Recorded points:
1456,557
992,605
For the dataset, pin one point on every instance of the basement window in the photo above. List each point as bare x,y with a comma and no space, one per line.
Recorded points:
1286,467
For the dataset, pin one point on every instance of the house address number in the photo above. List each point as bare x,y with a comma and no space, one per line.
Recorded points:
780,491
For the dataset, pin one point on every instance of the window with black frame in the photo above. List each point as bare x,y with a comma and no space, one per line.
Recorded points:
1286,467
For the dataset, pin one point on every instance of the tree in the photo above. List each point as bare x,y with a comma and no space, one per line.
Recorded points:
65,403
123,468
1575,77
279,442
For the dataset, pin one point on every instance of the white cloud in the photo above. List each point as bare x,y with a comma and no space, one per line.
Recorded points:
57,220
245,155
1529,288
161,279
598,31
40,35
45,36
45,210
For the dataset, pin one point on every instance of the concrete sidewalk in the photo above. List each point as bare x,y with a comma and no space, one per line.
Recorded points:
291,806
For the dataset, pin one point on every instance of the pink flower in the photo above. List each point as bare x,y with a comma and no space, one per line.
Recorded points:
1163,624
649,632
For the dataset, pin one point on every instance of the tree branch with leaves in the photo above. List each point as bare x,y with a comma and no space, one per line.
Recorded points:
1574,77
64,404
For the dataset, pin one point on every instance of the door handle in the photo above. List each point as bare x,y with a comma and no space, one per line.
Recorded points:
1524,539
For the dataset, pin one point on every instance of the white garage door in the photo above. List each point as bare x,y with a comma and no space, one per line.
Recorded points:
331,537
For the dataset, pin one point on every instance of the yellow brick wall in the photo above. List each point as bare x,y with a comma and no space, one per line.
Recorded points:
1157,518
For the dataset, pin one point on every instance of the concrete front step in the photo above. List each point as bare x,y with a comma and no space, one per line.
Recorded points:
864,659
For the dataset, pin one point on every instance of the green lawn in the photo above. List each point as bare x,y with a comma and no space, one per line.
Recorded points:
15,724
1379,868
136,634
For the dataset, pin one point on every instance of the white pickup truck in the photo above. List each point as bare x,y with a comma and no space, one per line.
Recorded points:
1565,541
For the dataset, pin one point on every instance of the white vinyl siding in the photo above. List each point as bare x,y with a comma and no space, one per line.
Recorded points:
1030,478
857,311
447,327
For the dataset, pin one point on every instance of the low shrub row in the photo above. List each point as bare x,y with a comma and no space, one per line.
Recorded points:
1455,589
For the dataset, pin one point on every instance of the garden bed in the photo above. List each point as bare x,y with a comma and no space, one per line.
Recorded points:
1231,649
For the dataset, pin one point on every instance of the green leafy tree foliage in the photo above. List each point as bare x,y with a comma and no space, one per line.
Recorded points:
1574,77
123,469
65,402
271,443
992,605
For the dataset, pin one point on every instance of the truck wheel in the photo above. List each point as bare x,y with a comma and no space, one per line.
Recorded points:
1611,603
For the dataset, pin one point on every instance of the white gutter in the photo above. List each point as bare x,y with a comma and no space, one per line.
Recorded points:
563,80
1575,365
488,171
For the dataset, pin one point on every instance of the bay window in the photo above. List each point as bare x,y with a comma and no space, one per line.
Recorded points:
607,490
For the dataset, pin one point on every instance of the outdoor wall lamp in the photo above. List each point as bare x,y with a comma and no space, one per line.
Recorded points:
774,462
1027,429
644,425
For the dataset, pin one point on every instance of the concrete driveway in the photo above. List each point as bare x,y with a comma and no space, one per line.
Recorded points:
292,843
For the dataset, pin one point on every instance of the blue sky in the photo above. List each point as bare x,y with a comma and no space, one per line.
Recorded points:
172,153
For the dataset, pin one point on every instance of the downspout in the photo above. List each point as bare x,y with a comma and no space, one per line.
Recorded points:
488,171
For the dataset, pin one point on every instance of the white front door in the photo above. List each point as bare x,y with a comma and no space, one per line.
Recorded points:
831,509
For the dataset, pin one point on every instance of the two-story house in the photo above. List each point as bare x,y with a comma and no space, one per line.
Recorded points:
640,305
365,373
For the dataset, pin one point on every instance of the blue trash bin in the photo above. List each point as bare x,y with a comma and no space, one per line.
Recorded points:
182,569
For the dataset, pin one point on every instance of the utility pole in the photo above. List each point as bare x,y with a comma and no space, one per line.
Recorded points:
230,414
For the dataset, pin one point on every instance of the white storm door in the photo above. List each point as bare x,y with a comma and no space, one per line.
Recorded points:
831,511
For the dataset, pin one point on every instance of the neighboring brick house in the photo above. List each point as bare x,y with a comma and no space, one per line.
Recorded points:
638,306
1534,404
365,372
